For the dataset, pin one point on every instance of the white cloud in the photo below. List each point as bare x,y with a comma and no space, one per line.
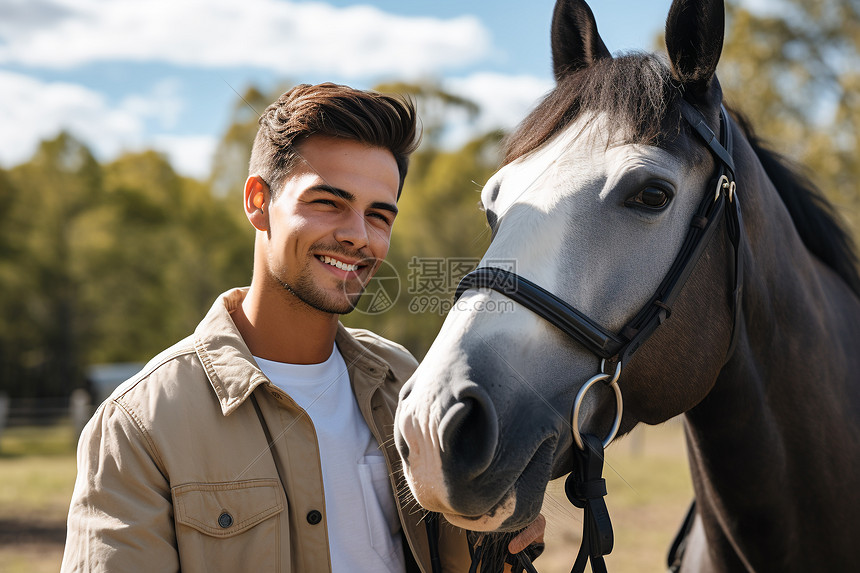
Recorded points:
282,36
189,155
34,110
162,104
504,100
765,7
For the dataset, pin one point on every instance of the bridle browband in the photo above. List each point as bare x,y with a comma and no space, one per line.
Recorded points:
621,346
585,487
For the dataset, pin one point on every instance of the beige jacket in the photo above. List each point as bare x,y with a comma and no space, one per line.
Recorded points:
174,469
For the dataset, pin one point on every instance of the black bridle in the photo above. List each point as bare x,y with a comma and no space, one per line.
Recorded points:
585,486
719,201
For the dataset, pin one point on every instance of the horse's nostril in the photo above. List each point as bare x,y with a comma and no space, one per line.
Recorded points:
406,390
402,447
469,433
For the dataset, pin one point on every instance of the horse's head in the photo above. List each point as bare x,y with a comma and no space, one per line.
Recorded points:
598,190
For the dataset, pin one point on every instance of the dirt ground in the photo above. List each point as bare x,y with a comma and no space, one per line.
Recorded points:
31,545
20,532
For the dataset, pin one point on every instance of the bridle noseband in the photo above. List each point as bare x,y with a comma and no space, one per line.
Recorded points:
585,486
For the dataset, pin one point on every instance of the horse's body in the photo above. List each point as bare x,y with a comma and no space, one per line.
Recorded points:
599,187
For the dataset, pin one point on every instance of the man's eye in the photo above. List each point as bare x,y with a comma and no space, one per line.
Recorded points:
324,202
381,217
652,198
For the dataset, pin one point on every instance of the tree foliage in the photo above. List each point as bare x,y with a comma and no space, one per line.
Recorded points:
114,262
796,73
104,262
230,164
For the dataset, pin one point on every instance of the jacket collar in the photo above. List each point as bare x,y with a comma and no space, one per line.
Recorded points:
233,372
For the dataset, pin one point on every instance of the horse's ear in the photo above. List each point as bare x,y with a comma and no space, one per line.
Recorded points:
694,40
575,41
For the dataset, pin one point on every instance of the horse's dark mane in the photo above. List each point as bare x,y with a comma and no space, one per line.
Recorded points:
636,91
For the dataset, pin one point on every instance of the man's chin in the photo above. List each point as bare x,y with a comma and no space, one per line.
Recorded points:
330,303
341,307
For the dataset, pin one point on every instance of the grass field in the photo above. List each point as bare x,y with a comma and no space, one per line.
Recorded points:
649,491
37,474
646,473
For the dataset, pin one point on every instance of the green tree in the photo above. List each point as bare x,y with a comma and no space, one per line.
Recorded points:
55,192
172,248
13,286
113,262
230,164
435,106
796,72
106,263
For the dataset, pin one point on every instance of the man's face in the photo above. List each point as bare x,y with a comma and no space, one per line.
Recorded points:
330,224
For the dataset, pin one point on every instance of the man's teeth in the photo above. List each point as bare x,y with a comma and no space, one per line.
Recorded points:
336,263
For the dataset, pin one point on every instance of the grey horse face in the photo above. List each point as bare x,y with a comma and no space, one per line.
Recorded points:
485,421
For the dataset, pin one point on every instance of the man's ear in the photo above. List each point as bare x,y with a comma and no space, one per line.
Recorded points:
257,197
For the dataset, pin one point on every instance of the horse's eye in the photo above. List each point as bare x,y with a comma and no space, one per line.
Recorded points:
650,198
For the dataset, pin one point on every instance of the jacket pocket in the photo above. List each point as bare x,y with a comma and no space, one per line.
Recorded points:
229,526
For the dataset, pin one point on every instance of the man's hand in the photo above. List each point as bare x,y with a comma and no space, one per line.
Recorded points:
531,534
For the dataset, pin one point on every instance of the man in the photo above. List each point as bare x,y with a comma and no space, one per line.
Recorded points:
263,441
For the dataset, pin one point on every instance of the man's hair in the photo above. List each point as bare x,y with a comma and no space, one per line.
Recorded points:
332,110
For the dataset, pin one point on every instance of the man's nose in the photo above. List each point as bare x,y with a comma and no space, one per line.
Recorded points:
353,230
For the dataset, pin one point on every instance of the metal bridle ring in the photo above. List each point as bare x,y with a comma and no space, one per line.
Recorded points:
722,184
581,394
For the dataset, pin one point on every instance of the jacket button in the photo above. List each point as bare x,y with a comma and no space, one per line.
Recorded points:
314,517
225,520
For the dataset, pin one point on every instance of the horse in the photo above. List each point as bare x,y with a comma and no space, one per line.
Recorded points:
758,349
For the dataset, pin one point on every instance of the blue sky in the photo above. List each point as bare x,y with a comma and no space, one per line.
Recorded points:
125,75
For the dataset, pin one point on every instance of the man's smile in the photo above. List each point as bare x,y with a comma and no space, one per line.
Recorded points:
342,265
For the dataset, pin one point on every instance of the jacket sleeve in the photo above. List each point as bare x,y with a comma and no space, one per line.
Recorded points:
453,548
121,514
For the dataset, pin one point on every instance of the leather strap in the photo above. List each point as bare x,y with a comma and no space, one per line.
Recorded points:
723,150
546,305
585,488
489,551
431,524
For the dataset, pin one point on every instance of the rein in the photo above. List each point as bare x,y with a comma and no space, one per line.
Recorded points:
585,487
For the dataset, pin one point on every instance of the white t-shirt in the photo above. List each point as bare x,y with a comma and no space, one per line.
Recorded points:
355,476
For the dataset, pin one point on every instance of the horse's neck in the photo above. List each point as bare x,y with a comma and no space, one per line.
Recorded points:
778,438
